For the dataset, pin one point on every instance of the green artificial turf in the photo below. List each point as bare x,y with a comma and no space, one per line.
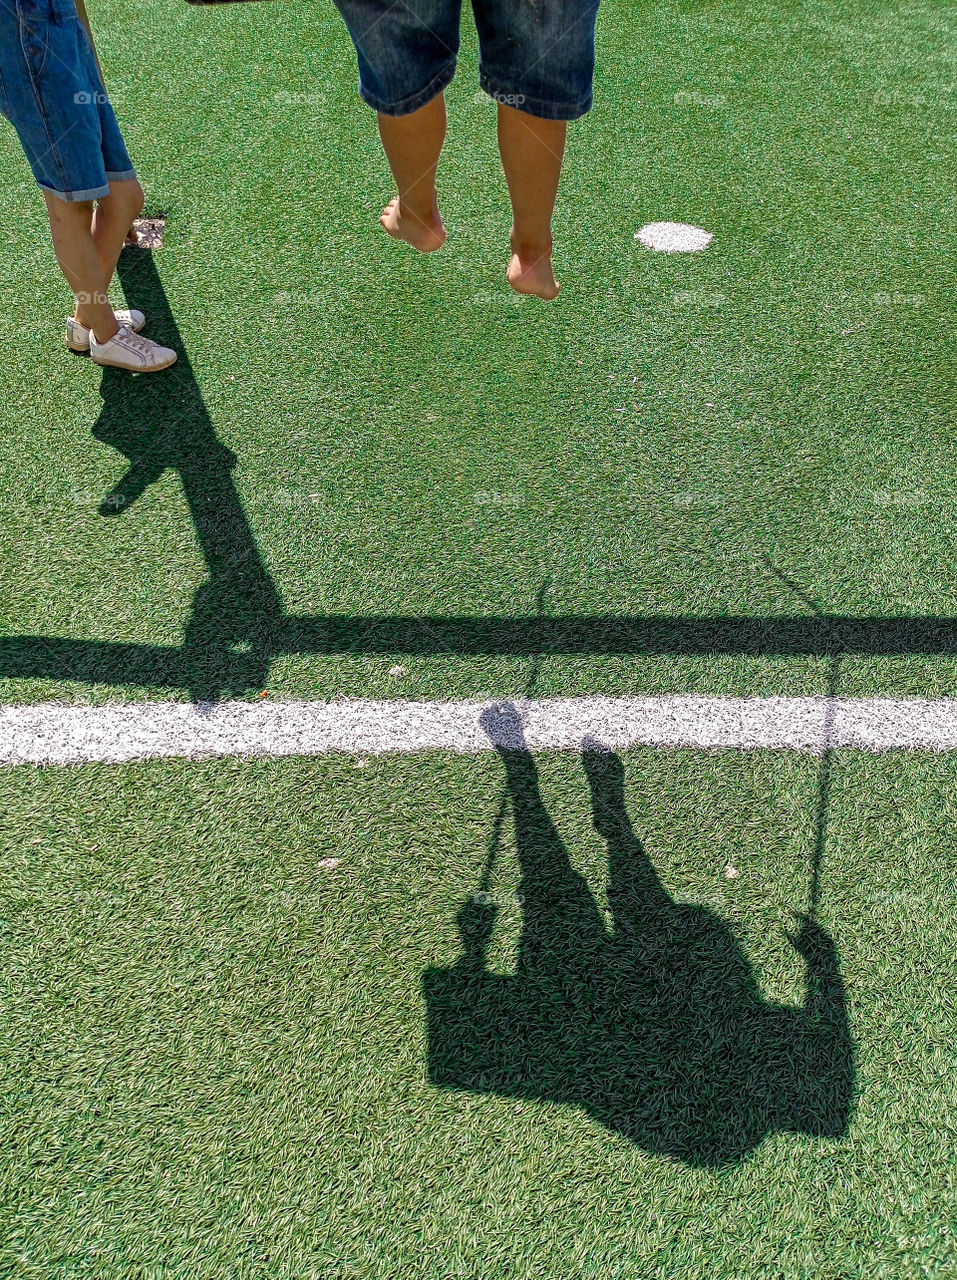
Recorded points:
224,1057
219,1058
407,438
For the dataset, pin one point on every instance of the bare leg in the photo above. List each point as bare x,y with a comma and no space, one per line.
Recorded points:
413,144
532,151
71,226
112,220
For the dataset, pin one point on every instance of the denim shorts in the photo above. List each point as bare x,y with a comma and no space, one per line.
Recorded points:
51,92
536,55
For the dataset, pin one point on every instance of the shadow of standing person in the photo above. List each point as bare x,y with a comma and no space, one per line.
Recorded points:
655,1027
161,423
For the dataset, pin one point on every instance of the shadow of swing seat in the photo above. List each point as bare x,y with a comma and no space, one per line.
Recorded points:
654,1025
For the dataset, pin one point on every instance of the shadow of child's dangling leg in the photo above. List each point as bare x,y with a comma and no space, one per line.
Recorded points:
638,900
562,928
413,144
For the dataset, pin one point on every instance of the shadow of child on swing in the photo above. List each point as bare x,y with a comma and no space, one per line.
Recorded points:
656,1028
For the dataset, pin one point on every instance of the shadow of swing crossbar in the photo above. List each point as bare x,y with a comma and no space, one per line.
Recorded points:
238,625
105,662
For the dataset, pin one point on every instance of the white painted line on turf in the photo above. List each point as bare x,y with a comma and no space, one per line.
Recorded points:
674,237
54,733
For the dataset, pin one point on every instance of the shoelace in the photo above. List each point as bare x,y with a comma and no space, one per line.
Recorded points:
136,343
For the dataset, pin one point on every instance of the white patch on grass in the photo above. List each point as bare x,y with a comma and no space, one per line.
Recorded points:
674,237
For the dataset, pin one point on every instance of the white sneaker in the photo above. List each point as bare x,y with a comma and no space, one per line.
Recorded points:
129,350
78,335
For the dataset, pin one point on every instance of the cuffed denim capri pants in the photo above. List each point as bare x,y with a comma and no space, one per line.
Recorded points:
535,55
51,92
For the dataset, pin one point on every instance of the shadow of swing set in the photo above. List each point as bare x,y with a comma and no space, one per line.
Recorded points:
238,624
655,1027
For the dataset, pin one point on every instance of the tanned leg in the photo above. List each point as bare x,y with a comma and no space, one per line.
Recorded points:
413,144
71,227
532,152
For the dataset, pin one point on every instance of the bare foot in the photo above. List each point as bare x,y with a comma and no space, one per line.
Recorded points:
531,272
426,236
